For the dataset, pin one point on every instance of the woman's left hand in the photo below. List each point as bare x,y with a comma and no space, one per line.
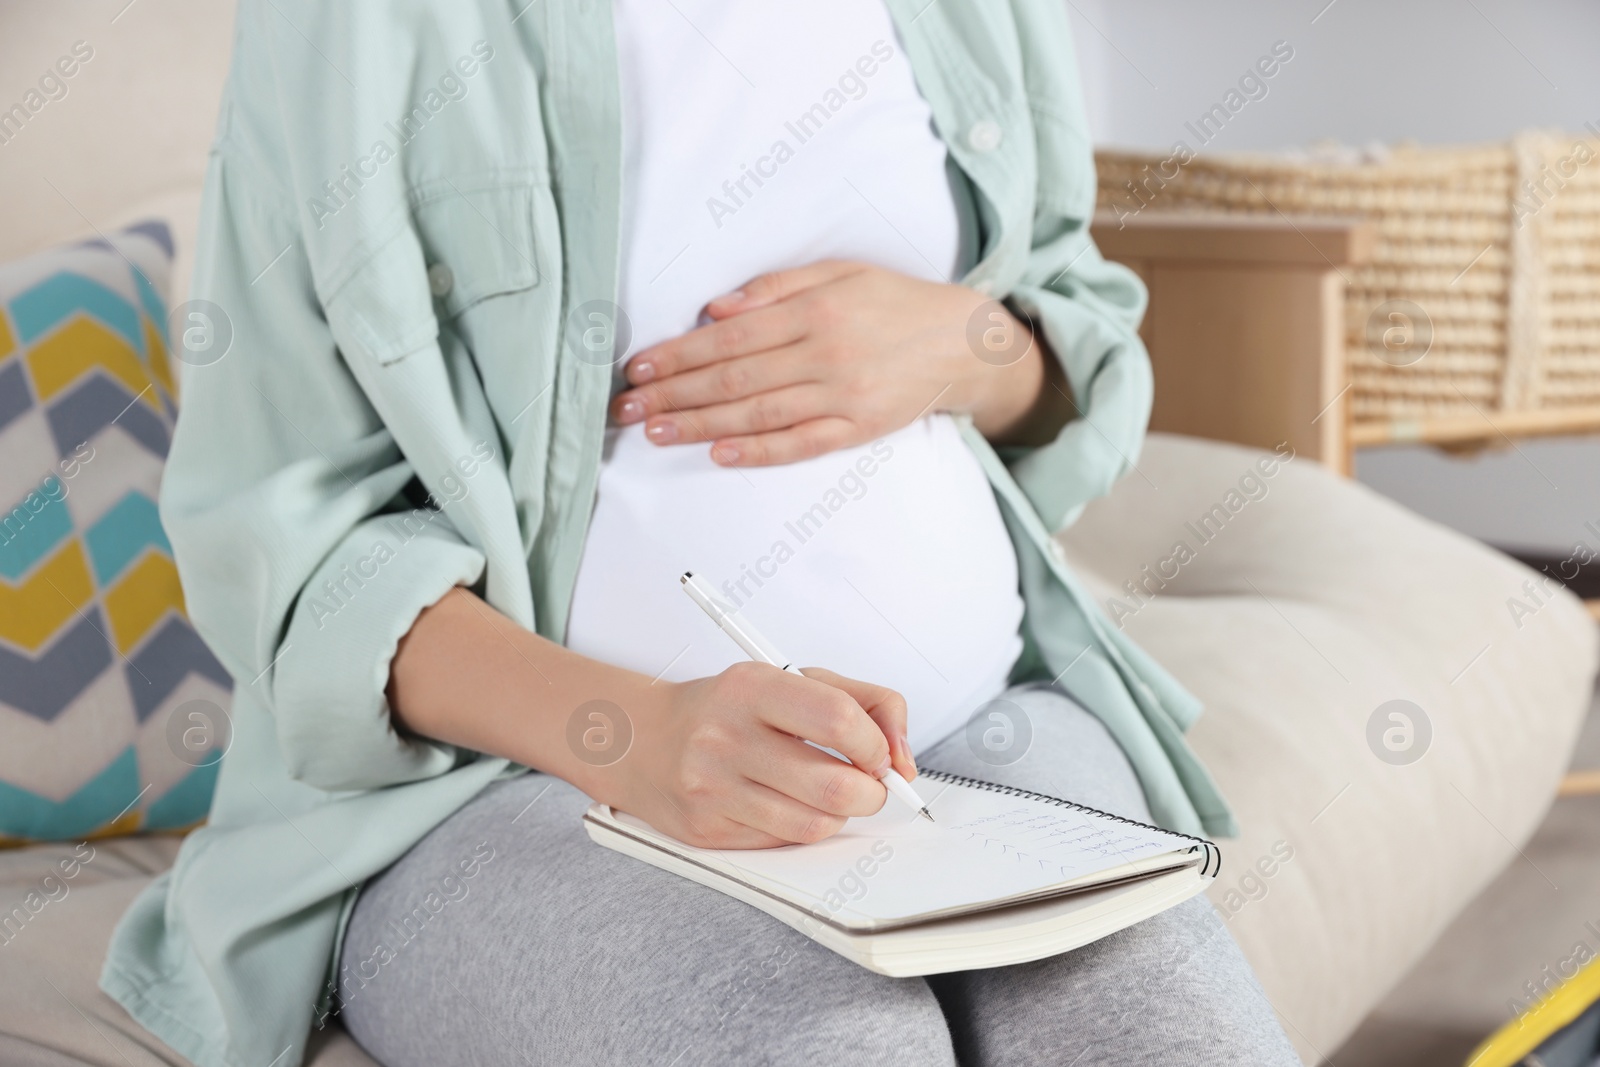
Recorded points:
803,362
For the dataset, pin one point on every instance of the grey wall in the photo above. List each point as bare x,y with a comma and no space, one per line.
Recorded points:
1368,70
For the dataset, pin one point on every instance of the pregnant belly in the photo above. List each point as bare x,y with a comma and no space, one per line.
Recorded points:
887,562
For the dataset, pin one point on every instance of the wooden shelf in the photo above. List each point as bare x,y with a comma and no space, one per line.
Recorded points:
1308,241
1580,784
1246,324
1246,332
1491,425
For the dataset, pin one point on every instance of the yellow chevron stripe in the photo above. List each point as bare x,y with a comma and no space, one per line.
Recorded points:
121,826
141,598
127,823
31,613
160,367
78,347
7,342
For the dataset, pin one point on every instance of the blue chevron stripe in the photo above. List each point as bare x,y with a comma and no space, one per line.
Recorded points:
166,659
15,396
32,817
32,528
60,296
154,229
157,231
42,687
95,403
122,534
185,803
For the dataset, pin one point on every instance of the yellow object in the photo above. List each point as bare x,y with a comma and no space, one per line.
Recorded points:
80,347
160,368
1524,1034
34,609
141,598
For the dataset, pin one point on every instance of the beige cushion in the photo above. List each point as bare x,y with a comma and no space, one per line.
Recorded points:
129,139
52,1013
1311,607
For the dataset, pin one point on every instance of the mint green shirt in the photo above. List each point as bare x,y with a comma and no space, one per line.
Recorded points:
410,219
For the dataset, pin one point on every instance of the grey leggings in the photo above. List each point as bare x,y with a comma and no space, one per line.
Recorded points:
506,937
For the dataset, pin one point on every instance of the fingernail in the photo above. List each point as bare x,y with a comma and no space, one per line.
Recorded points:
730,298
884,768
905,747
662,433
631,411
641,371
725,454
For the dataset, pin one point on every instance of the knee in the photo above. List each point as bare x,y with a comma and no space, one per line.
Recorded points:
1187,965
803,1005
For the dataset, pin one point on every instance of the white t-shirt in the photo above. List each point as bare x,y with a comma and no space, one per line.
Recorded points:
760,136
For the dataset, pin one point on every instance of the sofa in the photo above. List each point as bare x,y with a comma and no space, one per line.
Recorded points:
1307,612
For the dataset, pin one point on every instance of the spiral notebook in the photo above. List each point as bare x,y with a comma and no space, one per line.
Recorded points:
1002,876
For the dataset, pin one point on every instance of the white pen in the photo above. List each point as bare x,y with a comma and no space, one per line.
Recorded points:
760,649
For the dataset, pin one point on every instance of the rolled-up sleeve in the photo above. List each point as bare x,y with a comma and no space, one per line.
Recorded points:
333,719
1087,309
302,559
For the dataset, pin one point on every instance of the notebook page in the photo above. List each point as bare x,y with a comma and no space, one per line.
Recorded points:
984,847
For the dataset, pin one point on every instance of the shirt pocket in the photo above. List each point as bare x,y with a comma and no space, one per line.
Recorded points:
458,246
476,242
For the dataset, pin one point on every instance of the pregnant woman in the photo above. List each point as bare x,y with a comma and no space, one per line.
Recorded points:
536,307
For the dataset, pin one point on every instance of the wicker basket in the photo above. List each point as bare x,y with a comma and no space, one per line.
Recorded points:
1479,312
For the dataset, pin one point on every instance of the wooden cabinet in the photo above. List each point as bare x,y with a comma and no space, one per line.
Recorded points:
1246,325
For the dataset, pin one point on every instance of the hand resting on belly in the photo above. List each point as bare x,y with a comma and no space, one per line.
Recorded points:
802,362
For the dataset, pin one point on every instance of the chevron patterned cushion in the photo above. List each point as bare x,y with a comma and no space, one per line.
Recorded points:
112,710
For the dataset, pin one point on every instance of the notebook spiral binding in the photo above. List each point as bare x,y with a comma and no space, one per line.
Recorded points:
1212,864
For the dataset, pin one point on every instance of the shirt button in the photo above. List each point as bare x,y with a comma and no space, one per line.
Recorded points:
984,136
440,280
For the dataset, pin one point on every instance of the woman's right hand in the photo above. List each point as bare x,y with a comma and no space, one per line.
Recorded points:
719,762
